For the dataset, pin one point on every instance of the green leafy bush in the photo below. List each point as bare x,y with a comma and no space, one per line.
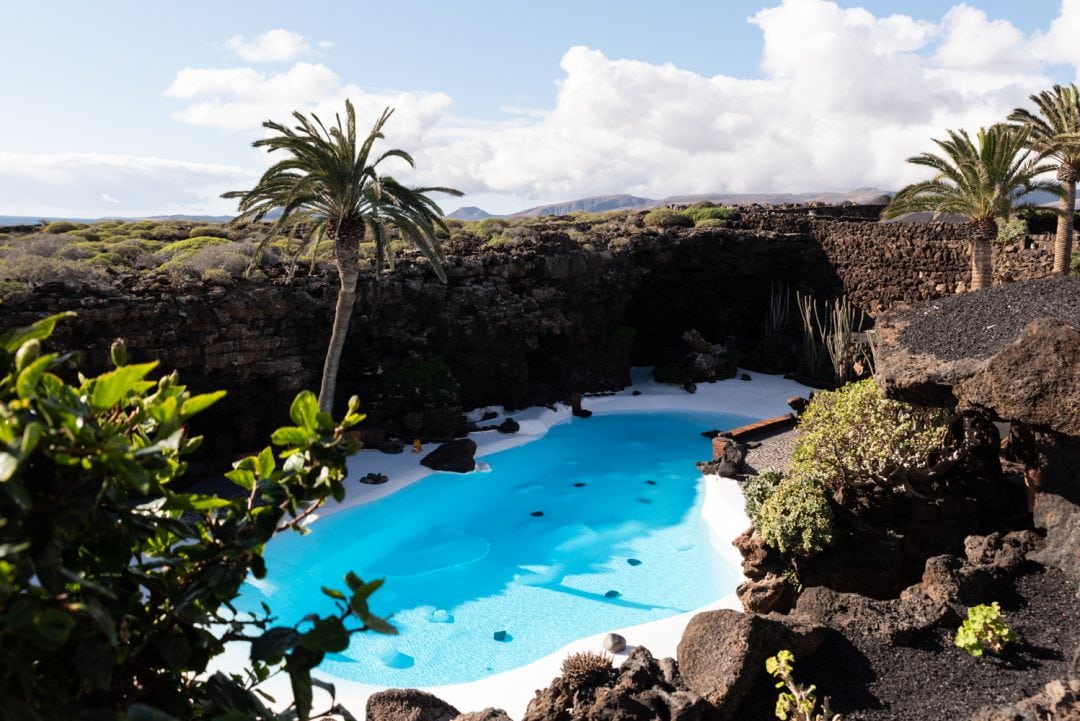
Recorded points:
1011,231
72,273
422,382
984,630
13,289
192,245
797,702
115,588
710,223
854,435
713,212
61,226
667,218
756,491
212,231
796,518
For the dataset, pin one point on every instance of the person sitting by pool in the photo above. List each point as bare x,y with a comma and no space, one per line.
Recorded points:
417,446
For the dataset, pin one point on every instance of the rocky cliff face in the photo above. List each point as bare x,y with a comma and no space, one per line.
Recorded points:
567,311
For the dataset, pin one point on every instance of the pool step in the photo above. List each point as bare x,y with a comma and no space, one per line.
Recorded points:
776,424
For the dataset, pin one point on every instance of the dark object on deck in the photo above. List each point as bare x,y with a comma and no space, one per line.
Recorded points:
456,456
374,479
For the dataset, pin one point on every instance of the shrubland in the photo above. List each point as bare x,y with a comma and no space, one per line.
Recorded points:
116,588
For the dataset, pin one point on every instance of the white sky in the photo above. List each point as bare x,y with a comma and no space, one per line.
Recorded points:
127,107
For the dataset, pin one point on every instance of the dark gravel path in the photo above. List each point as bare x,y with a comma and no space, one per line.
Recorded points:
977,325
869,680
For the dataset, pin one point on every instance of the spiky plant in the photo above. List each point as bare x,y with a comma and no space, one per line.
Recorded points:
329,178
1054,133
980,181
587,669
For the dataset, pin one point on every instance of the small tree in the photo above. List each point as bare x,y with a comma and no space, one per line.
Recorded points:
116,589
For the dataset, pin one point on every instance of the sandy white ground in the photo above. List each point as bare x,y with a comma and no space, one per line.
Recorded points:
512,690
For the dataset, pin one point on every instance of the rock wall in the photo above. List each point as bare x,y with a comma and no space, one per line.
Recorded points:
516,326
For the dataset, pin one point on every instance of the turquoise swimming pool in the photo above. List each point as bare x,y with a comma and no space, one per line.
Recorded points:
595,526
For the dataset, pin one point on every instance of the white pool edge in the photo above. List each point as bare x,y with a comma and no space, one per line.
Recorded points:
762,397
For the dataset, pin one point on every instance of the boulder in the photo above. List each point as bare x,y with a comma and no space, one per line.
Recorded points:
766,595
400,704
759,559
508,426
896,620
553,703
797,404
1060,518
456,456
722,654
488,714
727,459
614,643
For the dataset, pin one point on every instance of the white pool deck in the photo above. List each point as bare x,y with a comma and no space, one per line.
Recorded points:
762,397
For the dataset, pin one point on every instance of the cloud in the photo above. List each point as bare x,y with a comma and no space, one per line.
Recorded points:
843,99
273,46
69,184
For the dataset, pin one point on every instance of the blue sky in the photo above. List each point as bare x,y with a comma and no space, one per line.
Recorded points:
134,107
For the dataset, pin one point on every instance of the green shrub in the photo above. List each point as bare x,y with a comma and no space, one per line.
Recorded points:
11,290
502,242
668,218
756,491
796,518
191,245
1011,231
418,383
984,630
798,702
711,212
855,436
1074,266
115,589
217,276
61,226
231,257
169,232
72,273
213,231
710,223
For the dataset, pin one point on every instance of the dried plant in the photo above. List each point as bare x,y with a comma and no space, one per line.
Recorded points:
779,309
587,669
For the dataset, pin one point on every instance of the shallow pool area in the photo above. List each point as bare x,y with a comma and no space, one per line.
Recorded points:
596,526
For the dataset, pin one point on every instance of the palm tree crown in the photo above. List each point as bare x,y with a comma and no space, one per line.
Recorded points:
1054,133
330,179
981,181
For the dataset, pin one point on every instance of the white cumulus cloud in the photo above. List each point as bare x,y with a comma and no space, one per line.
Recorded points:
273,46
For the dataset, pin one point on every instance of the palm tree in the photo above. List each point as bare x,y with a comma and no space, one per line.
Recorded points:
1054,133
981,182
330,180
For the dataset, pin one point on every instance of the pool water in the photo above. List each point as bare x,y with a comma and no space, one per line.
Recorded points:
595,526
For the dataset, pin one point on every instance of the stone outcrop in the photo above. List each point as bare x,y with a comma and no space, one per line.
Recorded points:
722,654
488,714
408,704
1058,701
1011,353
643,689
455,456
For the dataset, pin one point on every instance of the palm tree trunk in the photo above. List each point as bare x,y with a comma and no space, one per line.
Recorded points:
1064,240
983,233
347,257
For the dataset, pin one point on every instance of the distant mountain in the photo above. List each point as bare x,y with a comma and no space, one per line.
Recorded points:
596,204
470,212
35,219
600,203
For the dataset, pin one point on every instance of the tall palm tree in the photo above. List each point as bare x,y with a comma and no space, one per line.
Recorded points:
330,179
981,182
1054,133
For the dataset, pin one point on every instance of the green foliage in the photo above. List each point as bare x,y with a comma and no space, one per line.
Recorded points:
757,490
712,212
1074,266
1011,231
12,289
668,218
190,246
710,223
422,382
794,701
116,589
212,231
501,242
855,436
796,518
62,226
984,630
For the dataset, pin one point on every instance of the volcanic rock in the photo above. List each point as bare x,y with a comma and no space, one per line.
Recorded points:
456,456
399,704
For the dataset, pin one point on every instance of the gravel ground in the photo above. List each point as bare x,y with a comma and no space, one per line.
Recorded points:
977,325
868,680
774,452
